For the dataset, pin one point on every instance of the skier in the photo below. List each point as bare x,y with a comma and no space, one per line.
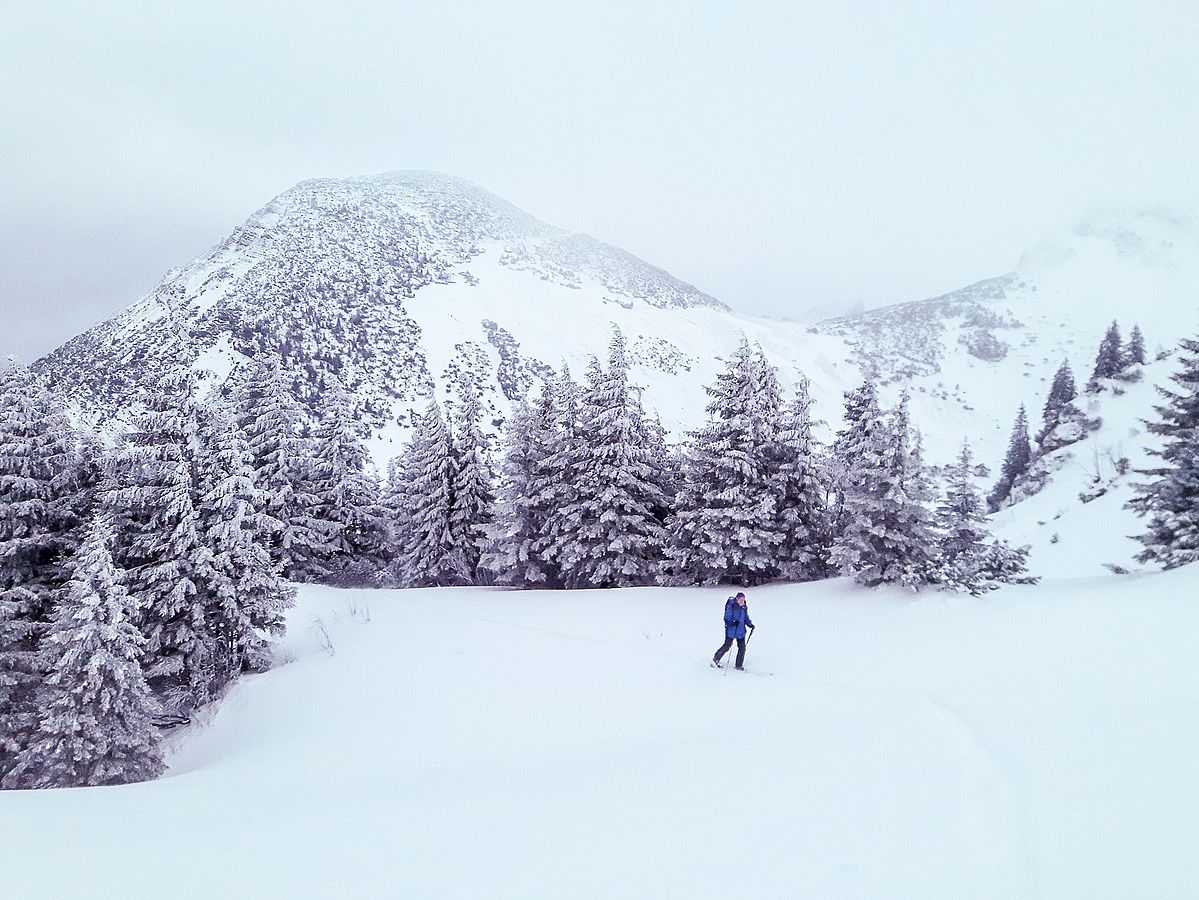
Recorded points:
736,620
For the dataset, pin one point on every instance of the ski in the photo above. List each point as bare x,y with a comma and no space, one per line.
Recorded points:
712,665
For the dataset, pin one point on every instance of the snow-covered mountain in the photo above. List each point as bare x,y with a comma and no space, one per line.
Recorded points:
396,281
391,280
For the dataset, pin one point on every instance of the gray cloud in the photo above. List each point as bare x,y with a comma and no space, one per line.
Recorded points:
779,155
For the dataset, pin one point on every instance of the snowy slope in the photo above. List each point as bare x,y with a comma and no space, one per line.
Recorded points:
474,743
1077,525
973,356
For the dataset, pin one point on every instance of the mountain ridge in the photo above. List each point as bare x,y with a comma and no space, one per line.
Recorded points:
394,281
348,255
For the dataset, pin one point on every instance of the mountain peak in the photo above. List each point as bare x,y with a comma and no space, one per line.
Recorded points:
392,282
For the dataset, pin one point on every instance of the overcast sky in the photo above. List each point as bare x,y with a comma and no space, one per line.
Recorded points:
778,155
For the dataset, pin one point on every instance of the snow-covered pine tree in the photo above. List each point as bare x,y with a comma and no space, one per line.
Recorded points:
725,526
852,446
245,595
798,479
426,557
347,514
1134,353
665,460
555,459
962,520
153,506
888,537
969,558
40,501
1015,462
271,421
613,538
393,504
920,490
513,556
95,724
1170,500
1062,422
767,399
1061,392
1109,361
473,487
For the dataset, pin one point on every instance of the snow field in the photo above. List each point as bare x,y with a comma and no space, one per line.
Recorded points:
475,742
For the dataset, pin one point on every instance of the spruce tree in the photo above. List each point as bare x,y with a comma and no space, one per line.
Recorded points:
888,536
969,558
725,527
556,439
853,448
472,488
95,725
1015,462
1170,500
244,594
280,456
511,556
427,555
798,479
346,514
1063,423
40,501
153,506
1061,393
1134,353
613,538
394,507
667,461
1109,361
962,519
767,398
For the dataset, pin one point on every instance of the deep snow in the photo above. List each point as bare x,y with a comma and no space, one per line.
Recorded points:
479,743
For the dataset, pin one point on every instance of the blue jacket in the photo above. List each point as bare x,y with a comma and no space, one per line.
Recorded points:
736,619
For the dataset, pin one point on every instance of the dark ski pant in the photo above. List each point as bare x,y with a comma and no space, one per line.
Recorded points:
724,648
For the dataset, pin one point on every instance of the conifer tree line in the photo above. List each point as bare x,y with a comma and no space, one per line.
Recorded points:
139,580
587,493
